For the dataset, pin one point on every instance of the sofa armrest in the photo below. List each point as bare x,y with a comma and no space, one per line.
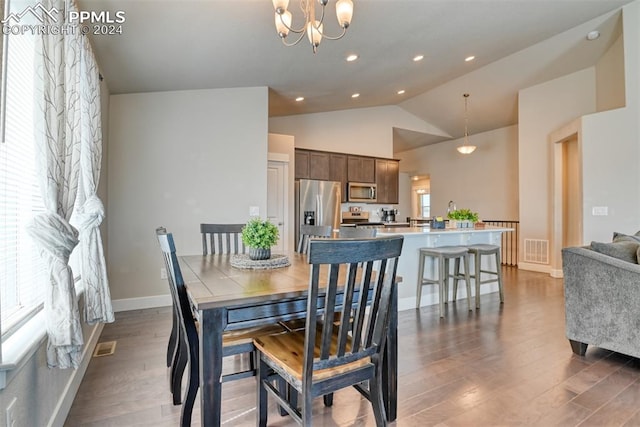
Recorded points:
602,300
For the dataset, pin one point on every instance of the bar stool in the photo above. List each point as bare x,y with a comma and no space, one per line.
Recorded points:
478,250
443,254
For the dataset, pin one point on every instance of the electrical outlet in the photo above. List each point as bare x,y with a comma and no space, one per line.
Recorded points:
11,415
163,273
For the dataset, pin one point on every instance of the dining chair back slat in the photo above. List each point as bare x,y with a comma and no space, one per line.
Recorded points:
310,231
222,239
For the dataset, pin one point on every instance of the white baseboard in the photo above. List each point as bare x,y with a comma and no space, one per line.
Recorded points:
540,268
63,406
129,304
556,274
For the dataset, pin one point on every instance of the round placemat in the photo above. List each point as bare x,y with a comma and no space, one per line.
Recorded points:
276,261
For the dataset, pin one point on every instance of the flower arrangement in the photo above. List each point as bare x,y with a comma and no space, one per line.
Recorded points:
258,233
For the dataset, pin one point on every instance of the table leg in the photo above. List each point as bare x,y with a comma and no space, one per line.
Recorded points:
211,327
390,362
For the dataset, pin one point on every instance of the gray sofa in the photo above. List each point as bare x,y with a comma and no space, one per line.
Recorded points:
602,301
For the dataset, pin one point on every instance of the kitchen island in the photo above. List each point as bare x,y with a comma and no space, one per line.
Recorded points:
421,237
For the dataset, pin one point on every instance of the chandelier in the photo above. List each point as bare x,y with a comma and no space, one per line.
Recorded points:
312,26
466,148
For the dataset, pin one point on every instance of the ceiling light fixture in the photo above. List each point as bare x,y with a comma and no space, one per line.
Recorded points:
355,95
312,26
352,57
401,92
469,58
466,148
300,98
418,58
593,35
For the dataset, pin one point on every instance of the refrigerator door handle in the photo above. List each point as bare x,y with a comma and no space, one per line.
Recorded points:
320,215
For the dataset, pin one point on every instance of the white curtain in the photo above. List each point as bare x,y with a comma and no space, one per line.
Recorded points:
90,213
67,124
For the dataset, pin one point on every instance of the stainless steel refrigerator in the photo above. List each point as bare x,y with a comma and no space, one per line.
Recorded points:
317,203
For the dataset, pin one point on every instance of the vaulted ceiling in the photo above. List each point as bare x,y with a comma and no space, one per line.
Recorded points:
196,44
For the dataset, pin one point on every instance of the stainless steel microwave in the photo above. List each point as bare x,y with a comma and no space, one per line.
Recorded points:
362,192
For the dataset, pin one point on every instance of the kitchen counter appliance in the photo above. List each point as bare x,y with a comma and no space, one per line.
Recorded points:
388,214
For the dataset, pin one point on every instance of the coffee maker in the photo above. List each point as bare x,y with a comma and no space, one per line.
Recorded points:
388,214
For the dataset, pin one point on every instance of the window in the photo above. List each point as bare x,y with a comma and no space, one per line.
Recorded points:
425,205
22,271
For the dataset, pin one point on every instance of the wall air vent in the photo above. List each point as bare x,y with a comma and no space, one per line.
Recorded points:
536,251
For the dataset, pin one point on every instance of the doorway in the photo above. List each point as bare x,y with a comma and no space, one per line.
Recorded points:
277,201
567,206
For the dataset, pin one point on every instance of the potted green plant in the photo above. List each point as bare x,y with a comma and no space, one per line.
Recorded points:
463,218
259,235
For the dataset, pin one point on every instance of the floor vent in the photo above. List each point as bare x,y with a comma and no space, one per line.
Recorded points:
105,349
536,251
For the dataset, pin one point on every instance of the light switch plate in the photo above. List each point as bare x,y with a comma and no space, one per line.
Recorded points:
254,210
600,211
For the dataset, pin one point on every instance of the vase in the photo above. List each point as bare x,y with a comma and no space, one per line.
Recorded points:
259,253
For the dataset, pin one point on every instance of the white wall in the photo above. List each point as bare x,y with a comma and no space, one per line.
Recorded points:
543,109
177,159
363,131
485,181
610,81
611,150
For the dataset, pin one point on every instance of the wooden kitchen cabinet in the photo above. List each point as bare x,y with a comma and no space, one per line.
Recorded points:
312,165
361,169
319,166
302,164
387,180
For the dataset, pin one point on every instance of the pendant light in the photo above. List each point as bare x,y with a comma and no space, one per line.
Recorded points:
466,147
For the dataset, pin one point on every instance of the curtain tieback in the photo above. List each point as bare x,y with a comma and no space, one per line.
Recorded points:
91,213
54,235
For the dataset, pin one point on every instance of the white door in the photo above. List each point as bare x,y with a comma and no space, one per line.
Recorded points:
276,201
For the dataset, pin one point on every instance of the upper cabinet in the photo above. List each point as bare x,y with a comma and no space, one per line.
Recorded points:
361,169
387,180
344,168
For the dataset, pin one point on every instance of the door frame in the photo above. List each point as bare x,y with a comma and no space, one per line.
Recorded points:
283,159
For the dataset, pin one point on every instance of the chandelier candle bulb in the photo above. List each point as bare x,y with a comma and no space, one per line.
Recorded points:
344,12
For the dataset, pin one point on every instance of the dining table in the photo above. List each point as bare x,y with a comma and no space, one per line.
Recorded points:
227,298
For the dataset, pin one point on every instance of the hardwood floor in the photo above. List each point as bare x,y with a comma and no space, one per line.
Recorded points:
503,365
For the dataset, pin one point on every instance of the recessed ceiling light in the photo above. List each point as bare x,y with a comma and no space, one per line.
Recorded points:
469,58
418,58
401,92
592,35
352,57
300,98
355,95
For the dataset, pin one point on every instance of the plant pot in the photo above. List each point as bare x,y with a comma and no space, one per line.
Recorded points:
259,253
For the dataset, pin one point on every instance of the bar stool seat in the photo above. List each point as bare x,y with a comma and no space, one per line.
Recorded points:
443,254
478,250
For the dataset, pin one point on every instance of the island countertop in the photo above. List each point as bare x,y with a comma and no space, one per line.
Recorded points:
421,231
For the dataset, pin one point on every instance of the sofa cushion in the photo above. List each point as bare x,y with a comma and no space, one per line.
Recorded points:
626,250
621,236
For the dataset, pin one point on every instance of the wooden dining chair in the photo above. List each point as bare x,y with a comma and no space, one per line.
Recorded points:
187,341
357,232
222,238
325,356
310,231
